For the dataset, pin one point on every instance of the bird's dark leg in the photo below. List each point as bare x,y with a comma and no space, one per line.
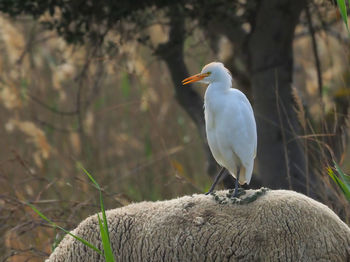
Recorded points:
236,185
217,180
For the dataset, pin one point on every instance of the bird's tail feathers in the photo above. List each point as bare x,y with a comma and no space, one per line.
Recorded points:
246,173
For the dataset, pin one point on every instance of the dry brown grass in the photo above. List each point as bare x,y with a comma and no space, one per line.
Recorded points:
60,104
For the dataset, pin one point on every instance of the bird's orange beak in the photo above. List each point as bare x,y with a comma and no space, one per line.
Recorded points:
194,78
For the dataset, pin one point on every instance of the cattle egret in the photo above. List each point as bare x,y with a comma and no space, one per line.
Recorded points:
229,122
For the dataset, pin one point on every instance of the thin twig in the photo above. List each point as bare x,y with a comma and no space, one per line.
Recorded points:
315,51
53,110
286,158
53,127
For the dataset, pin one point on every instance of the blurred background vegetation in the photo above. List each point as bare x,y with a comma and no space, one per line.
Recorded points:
99,82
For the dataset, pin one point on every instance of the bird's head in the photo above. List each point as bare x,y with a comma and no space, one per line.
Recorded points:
213,72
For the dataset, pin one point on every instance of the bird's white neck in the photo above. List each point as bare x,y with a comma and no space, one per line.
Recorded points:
220,86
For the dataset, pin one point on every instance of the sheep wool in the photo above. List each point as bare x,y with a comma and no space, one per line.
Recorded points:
259,225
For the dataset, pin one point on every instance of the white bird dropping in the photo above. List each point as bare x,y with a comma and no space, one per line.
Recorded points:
229,122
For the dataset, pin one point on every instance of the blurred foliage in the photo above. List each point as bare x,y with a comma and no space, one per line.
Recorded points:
74,19
80,20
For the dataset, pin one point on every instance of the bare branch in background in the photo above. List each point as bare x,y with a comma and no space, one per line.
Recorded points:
53,110
315,50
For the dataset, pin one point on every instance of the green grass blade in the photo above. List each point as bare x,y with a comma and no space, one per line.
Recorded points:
105,241
41,214
344,177
86,243
104,215
103,226
343,12
340,183
101,199
107,246
88,174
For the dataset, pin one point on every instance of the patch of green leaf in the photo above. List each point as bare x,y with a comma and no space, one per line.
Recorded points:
125,85
24,89
343,12
148,146
99,103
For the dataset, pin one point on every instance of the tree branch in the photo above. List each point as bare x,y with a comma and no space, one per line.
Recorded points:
315,50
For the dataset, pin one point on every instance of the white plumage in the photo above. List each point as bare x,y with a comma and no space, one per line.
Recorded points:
229,121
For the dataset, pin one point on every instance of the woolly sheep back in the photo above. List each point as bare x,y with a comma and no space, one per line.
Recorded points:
273,225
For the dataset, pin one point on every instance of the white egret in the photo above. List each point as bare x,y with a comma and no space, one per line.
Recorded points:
229,122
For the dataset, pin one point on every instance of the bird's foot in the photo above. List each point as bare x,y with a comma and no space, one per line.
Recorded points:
233,193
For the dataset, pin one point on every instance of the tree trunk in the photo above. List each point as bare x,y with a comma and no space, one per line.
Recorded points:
281,158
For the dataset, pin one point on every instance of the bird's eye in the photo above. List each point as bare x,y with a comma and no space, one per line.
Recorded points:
208,73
